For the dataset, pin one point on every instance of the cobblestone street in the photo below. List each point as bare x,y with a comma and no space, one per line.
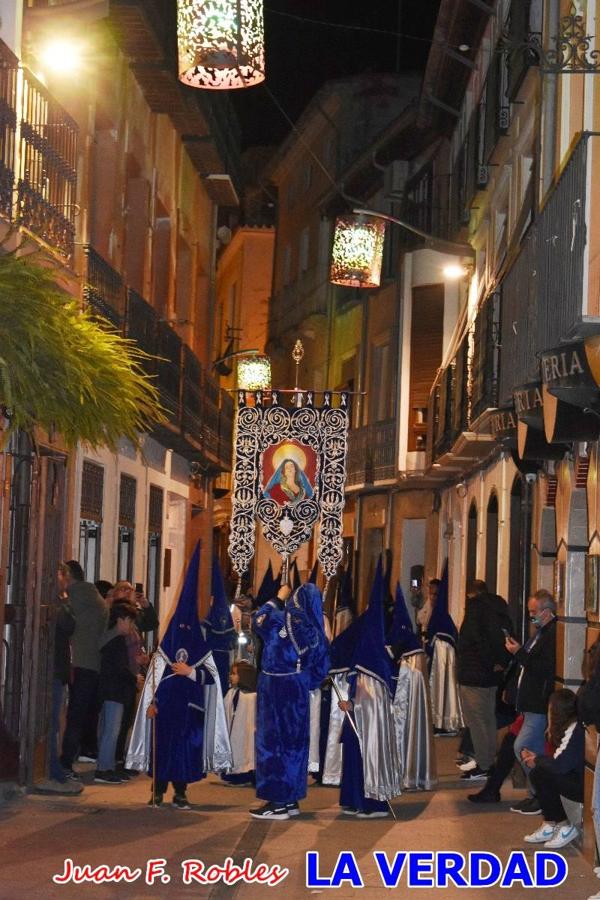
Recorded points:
107,825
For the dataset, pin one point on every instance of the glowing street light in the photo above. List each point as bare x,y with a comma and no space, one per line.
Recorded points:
454,272
62,56
221,43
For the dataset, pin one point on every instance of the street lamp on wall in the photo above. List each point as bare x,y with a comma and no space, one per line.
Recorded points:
221,43
357,251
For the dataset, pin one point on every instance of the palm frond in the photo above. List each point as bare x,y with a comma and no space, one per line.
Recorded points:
60,369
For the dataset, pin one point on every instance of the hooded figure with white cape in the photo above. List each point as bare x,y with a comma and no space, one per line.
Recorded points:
441,649
218,628
182,701
412,702
370,765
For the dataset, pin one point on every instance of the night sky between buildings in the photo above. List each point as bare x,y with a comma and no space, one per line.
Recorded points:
302,55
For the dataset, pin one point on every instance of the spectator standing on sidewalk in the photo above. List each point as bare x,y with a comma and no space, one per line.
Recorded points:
531,685
116,689
481,658
91,614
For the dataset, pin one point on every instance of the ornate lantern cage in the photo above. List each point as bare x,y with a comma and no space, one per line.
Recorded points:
221,43
254,373
357,251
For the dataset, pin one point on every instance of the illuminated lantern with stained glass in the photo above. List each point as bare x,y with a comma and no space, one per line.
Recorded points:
357,251
221,43
254,373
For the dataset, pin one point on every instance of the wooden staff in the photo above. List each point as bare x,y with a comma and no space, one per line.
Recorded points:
354,729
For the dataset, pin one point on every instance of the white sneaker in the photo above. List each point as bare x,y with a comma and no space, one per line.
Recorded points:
468,766
543,834
597,871
563,835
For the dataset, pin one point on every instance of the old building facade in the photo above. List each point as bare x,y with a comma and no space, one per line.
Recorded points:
118,182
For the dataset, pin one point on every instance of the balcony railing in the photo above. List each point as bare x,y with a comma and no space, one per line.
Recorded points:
543,291
449,403
486,358
200,414
38,157
372,454
8,127
299,301
103,288
47,179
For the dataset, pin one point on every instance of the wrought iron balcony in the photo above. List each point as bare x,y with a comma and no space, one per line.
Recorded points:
449,404
297,302
486,358
8,126
47,174
543,301
103,289
372,454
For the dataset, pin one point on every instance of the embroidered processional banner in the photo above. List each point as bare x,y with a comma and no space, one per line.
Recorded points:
289,474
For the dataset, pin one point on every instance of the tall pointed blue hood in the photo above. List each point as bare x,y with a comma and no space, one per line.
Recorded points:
370,655
218,620
183,640
441,622
296,581
402,631
266,590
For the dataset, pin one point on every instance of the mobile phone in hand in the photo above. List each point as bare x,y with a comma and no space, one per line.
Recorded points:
506,632
139,587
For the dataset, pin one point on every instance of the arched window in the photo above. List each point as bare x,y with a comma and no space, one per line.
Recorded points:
491,544
472,543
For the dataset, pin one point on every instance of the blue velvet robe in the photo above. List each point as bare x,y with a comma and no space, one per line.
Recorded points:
180,726
282,711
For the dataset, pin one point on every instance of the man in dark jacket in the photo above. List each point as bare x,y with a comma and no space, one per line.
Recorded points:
481,659
116,688
91,613
532,684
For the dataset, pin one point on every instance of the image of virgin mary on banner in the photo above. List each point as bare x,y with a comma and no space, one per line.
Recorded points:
289,474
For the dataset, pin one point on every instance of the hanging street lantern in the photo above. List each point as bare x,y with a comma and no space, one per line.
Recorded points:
221,43
357,251
254,373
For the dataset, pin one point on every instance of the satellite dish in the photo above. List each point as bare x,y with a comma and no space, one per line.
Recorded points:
224,235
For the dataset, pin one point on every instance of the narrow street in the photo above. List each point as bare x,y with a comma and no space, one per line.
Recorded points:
112,826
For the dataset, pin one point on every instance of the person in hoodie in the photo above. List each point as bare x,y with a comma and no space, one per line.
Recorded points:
91,614
481,659
116,688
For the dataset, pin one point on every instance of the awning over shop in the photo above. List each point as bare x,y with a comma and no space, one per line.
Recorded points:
571,396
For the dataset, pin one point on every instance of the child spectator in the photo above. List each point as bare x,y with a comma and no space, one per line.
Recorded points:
240,711
560,774
116,688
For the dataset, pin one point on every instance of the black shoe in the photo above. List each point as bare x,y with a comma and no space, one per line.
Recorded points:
292,809
123,775
70,775
271,811
530,806
133,773
475,774
180,801
156,800
484,796
107,777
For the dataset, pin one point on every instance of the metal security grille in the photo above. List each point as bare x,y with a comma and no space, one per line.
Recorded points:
155,510
127,495
92,490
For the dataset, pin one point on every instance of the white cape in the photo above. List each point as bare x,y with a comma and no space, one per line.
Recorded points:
216,748
414,725
445,699
314,762
242,727
332,768
375,724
